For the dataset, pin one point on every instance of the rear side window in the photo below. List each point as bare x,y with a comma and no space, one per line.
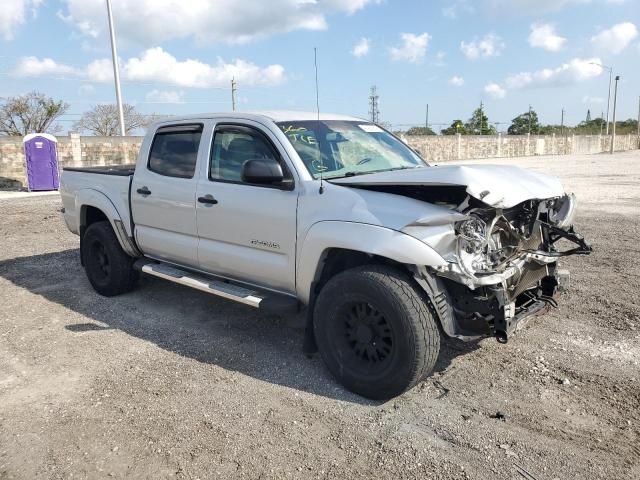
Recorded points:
174,150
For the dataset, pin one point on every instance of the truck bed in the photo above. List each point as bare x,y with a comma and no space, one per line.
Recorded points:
118,170
109,188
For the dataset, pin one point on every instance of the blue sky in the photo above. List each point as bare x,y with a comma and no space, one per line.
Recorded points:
179,56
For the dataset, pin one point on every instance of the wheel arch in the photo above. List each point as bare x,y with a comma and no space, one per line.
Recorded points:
93,206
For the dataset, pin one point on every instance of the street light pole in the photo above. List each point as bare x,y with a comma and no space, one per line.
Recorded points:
615,101
116,70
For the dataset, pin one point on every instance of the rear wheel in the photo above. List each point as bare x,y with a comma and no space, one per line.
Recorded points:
376,331
109,269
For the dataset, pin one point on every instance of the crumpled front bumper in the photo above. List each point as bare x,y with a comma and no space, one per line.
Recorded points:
494,310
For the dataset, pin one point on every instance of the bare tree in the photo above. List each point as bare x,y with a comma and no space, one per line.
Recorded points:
103,120
30,113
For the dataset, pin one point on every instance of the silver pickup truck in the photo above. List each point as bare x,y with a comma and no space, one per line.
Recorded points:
285,211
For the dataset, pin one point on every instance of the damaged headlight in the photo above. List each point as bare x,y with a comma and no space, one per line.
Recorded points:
563,212
472,245
473,234
485,248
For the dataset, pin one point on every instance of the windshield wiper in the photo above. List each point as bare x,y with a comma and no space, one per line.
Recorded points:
351,173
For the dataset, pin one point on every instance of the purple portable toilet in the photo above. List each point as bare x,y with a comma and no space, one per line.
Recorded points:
41,158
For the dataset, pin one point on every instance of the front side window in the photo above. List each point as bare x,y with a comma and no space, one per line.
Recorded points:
342,148
232,147
174,151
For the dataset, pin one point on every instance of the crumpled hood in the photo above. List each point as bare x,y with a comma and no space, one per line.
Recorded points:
500,186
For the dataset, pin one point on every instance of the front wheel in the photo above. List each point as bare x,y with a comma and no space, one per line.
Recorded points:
376,331
109,269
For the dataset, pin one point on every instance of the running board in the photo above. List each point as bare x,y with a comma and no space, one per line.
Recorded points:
266,301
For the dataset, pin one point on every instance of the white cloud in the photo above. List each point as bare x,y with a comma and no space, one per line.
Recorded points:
229,21
413,48
615,39
35,67
13,14
157,66
495,91
574,71
456,81
164,96
361,48
488,46
543,35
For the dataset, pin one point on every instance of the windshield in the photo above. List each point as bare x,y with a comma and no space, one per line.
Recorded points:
343,148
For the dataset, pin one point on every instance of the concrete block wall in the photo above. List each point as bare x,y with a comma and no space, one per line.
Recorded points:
438,149
77,151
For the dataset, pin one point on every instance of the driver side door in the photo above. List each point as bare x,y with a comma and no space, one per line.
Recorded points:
247,232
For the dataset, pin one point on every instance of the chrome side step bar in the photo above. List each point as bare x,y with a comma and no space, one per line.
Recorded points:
263,300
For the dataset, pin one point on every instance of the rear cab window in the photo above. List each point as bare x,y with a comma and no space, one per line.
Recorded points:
174,150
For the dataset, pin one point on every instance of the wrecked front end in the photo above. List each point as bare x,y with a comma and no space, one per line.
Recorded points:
501,230
503,265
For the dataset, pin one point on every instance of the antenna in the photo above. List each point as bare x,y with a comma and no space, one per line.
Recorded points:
315,64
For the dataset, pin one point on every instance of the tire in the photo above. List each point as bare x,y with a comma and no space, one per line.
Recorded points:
375,331
109,269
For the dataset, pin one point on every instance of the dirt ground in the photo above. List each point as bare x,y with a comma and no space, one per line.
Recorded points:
167,382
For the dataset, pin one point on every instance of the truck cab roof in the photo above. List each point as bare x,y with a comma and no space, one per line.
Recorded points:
271,115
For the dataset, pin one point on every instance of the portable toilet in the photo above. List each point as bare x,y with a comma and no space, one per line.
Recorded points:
41,159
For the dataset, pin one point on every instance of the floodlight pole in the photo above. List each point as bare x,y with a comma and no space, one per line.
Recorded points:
116,70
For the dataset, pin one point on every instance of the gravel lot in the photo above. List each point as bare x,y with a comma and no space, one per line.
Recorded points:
167,382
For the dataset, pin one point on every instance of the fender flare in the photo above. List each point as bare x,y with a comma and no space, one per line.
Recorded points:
361,237
88,197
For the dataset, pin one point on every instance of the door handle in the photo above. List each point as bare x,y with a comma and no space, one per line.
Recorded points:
144,191
208,200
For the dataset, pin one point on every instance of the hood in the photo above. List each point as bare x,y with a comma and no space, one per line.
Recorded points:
500,186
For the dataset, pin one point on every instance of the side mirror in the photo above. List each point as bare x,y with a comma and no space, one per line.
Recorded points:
262,171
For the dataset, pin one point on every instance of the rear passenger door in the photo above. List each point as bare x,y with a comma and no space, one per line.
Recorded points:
163,195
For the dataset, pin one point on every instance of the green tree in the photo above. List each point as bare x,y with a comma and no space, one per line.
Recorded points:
456,127
525,123
479,124
420,131
33,112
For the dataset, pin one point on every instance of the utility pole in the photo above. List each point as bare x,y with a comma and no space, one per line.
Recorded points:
426,123
609,98
615,101
116,70
374,112
610,69
562,123
233,94
529,119
481,117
